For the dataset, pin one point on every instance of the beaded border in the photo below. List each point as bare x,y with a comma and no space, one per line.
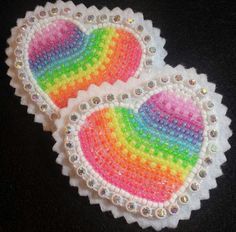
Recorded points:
184,87
34,21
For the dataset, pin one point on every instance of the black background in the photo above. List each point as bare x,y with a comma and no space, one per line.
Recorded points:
34,196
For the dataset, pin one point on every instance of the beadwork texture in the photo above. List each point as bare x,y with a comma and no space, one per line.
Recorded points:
64,60
149,153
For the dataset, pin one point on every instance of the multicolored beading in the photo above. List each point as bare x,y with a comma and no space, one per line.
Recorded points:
147,149
61,50
70,60
152,149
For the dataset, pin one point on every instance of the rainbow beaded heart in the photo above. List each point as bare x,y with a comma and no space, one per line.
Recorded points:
63,59
148,150
61,49
148,153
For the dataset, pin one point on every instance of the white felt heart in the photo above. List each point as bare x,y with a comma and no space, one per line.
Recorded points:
148,150
60,49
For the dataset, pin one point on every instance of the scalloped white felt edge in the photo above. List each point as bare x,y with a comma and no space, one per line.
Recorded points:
41,117
214,170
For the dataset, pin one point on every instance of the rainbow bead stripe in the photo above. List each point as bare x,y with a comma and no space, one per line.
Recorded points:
63,59
150,153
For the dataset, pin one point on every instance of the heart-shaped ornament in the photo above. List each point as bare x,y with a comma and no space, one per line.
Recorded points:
60,49
148,150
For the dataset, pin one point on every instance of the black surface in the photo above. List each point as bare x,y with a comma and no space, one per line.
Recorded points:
34,196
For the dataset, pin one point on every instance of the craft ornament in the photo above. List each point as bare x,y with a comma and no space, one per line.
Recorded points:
148,150
60,49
